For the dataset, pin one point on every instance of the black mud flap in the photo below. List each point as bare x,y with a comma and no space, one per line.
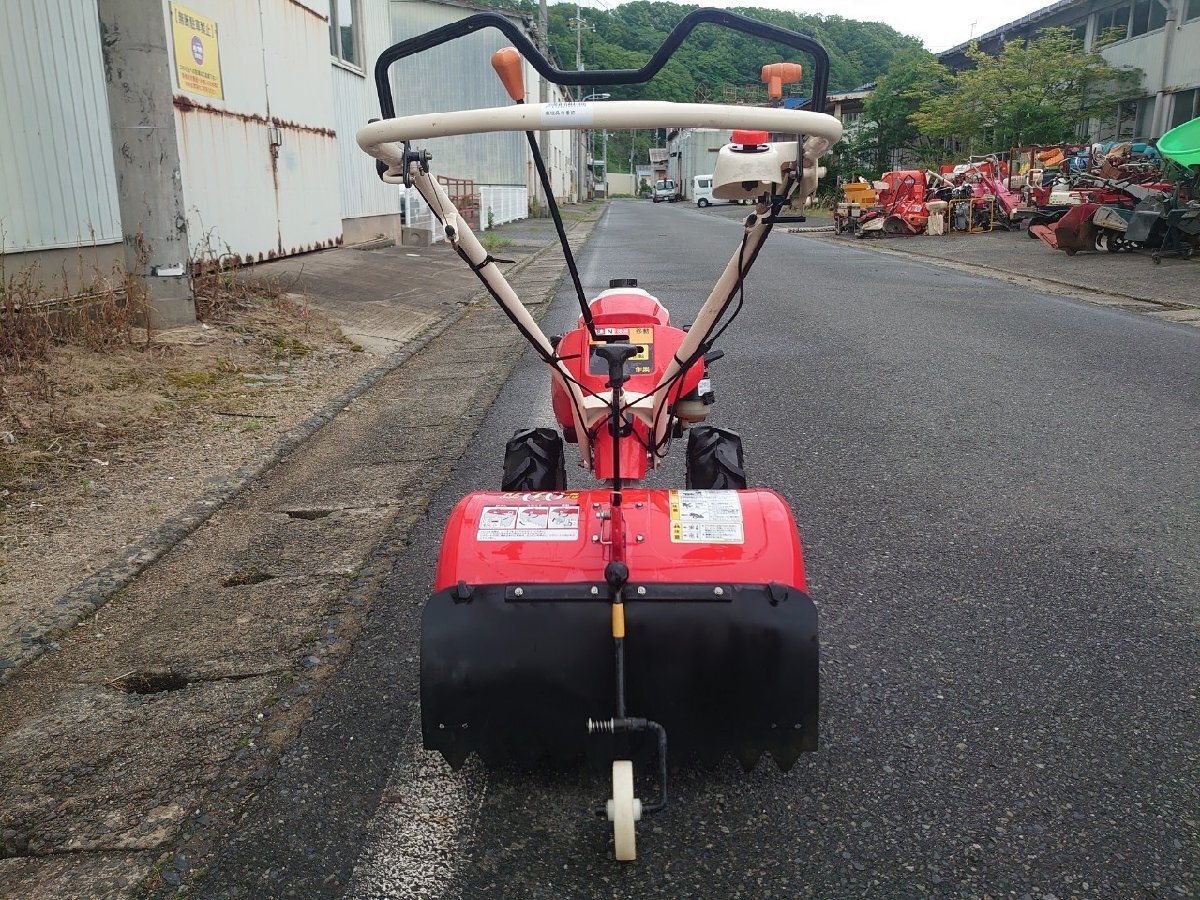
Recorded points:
514,673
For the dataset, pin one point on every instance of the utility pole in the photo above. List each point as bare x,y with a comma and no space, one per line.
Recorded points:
580,156
578,49
543,96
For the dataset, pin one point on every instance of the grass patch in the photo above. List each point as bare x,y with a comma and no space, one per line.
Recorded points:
285,347
191,380
492,241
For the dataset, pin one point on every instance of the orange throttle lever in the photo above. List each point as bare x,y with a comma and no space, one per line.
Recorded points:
776,75
509,66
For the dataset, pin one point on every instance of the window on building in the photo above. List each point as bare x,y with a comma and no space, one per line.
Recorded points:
343,31
1126,115
1142,12
1140,23
1192,11
1112,24
1184,109
1158,16
1145,112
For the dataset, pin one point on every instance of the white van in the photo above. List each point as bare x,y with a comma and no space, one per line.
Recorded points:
702,191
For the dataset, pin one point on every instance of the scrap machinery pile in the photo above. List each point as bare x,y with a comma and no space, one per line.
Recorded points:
1110,197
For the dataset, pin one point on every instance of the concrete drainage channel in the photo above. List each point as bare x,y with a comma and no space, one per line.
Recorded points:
811,229
212,656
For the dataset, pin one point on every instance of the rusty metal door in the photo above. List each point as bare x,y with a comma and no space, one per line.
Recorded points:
260,163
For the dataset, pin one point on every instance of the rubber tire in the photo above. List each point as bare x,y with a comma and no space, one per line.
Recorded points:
714,459
702,203
534,461
624,817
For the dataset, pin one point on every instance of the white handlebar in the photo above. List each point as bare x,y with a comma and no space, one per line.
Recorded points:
376,137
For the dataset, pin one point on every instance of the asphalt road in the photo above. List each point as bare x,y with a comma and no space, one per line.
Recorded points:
997,494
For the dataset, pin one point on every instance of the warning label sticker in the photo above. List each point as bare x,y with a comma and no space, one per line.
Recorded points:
706,517
528,523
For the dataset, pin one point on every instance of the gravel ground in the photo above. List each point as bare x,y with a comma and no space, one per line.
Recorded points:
133,744
999,513
178,439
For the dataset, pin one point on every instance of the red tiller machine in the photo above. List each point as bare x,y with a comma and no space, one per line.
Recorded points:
573,624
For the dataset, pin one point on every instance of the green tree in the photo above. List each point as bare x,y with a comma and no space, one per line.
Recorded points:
1036,94
913,78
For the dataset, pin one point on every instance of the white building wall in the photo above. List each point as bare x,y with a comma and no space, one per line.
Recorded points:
354,103
57,183
1145,52
1184,71
455,76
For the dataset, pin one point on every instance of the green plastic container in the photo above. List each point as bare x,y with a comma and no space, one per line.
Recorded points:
1182,144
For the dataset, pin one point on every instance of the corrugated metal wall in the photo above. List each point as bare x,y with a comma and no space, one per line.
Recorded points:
57,185
456,76
698,154
244,198
354,103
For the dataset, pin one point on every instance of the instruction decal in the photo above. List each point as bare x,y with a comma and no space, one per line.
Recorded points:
641,364
566,115
706,517
545,522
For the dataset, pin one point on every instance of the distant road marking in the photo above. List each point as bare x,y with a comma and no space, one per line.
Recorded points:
413,841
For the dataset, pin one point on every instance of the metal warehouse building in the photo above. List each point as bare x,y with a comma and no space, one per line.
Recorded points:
1160,37
156,136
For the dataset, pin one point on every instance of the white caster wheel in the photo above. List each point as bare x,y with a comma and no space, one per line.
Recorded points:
624,810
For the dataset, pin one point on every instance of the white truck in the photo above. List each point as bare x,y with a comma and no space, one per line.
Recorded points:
664,189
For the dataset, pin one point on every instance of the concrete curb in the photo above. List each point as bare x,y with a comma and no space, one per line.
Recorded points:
98,588
1052,285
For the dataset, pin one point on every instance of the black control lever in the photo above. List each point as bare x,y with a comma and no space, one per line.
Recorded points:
616,355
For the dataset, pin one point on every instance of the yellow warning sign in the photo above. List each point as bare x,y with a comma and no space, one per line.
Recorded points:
197,59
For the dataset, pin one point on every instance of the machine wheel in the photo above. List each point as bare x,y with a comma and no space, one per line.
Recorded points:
624,810
702,203
533,461
1157,257
1102,241
714,459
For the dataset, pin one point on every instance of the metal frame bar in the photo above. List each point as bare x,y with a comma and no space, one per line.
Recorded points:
594,77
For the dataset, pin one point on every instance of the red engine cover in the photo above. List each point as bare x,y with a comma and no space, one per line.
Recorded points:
672,537
645,321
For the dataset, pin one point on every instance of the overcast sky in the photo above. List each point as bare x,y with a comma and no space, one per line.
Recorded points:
939,23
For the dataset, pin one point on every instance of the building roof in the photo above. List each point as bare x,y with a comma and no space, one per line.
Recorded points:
862,92
1033,18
